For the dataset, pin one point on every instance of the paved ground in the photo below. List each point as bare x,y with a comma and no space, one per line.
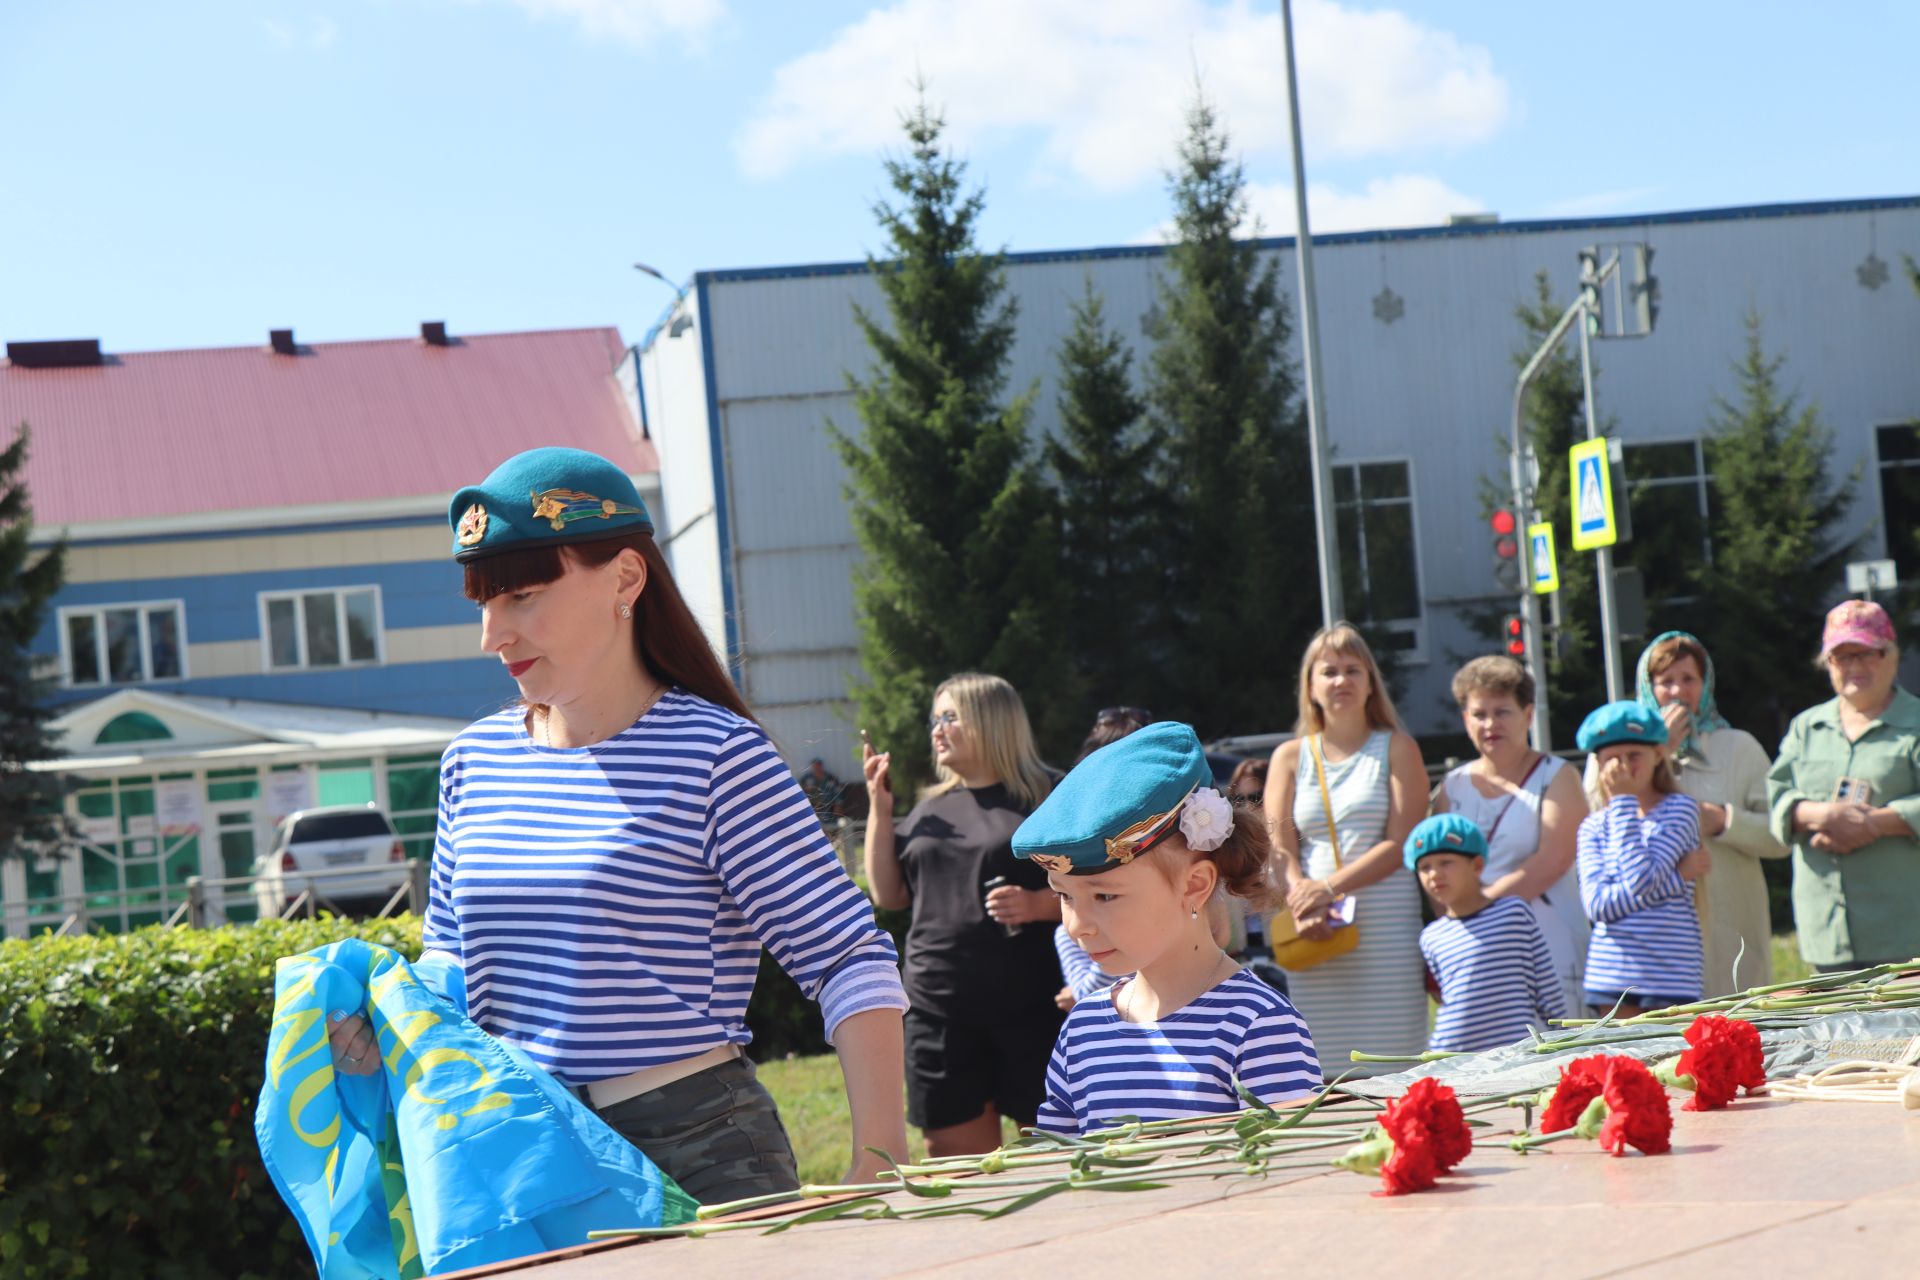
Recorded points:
1765,1188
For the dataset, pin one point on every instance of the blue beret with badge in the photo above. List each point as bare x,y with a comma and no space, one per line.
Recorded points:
1123,800
545,497
1445,833
1620,722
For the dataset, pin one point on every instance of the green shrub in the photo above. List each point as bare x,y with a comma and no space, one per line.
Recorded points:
129,1069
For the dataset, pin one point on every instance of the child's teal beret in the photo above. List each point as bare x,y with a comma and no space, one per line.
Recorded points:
1125,798
545,497
1619,722
1445,833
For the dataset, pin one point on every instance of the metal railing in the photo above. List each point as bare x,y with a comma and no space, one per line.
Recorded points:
203,893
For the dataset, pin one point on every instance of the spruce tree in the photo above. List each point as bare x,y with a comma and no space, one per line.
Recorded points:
31,817
1103,462
1238,596
1777,553
956,528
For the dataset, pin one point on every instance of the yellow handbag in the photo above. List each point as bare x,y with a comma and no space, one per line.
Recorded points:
1291,951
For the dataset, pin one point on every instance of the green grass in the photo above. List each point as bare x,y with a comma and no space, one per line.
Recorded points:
813,1102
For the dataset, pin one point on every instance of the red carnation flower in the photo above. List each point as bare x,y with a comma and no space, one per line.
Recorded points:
1430,1136
1723,1055
1581,1081
1638,1114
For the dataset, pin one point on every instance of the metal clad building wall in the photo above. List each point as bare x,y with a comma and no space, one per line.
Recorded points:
1434,387
673,383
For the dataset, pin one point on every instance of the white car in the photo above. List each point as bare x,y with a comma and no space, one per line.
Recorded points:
336,838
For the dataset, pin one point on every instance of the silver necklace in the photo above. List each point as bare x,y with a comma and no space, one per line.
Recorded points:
546,717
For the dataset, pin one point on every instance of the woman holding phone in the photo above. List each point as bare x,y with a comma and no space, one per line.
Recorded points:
980,969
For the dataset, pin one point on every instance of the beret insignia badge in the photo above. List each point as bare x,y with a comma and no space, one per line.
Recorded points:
473,526
561,507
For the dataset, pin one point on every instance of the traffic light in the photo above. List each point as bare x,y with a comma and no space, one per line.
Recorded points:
1516,634
1590,288
1506,549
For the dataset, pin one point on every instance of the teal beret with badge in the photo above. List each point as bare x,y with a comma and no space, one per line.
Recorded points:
1123,800
1445,833
1620,722
545,497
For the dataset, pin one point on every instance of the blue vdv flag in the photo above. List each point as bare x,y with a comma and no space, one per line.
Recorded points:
459,1152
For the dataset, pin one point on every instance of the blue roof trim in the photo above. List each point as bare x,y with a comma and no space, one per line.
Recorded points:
717,460
1735,213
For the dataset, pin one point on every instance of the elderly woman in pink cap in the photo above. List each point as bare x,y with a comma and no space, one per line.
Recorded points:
1845,794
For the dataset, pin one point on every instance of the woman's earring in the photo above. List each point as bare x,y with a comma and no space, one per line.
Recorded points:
1194,914
626,610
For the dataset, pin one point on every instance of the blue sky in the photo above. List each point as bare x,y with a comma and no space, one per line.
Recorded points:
195,173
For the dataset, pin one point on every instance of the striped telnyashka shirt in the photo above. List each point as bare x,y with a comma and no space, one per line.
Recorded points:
1106,1070
1645,933
608,903
1496,977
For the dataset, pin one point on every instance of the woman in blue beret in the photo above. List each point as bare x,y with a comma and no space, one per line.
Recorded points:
614,849
1340,863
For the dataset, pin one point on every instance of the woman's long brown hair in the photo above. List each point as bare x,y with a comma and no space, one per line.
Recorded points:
668,642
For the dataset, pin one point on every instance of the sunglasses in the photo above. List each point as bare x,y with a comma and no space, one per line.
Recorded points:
1139,715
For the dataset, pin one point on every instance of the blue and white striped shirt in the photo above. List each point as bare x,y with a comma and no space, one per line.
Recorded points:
1077,970
1106,1070
1645,933
1496,977
608,903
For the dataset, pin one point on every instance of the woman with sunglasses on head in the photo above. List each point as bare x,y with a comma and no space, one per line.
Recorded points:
616,847
980,967
1845,795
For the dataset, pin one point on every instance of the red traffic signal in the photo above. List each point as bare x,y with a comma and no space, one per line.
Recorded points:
1516,629
1506,549
1503,522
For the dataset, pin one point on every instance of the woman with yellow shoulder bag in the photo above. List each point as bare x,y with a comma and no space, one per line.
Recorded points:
1340,800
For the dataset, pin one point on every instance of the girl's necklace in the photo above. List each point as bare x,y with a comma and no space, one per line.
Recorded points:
546,716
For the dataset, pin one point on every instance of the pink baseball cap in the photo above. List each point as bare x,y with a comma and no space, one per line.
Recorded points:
1859,622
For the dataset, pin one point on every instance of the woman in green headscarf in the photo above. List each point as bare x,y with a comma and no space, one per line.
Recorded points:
1724,769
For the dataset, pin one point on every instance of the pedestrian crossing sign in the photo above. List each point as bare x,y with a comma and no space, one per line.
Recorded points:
1540,562
1593,525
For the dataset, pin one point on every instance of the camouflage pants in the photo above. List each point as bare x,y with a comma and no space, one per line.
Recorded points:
717,1133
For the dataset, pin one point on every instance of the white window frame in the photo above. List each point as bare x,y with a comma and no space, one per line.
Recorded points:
340,623
99,612
1909,571
1416,625
1701,480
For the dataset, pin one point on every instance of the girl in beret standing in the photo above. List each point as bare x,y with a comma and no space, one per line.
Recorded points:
614,850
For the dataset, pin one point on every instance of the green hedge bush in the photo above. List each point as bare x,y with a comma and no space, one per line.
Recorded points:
129,1069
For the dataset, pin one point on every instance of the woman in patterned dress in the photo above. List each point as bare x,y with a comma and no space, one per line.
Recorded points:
1373,997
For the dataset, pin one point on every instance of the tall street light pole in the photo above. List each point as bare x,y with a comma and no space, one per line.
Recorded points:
1331,606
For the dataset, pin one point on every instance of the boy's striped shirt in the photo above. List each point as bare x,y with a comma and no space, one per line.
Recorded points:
1496,977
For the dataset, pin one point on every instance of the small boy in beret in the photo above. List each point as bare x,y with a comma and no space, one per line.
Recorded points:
1487,954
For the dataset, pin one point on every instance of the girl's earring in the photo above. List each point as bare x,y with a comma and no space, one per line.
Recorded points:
626,610
1194,914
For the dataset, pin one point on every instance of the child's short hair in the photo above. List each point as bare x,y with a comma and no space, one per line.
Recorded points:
1241,859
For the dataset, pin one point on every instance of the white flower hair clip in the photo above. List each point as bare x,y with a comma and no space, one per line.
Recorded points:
1207,820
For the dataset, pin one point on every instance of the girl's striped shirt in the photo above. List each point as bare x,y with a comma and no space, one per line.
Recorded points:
1077,970
608,903
1106,1070
1496,977
1645,933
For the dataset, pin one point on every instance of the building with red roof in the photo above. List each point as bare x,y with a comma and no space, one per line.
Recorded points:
257,537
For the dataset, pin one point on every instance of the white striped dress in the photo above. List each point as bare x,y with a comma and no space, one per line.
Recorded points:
1645,933
1106,1070
1496,977
608,903
1373,998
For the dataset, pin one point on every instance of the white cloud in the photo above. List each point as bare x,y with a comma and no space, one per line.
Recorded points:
1404,200
634,22
1106,84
